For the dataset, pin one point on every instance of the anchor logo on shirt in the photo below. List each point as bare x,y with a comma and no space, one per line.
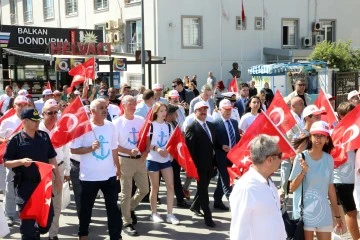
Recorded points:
134,137
161,143
102,155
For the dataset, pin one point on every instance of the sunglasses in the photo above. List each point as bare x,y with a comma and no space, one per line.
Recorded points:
63,105
51,113
279,155
301,85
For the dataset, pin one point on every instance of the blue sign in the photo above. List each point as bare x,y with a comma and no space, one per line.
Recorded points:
116,79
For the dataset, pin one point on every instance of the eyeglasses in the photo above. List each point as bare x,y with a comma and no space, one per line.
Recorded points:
301,84
63,105
51,113
279,155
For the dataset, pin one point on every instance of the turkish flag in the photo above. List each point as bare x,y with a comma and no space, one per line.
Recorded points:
234,173
86,69
346,135
176,146
233,85
339,155
77,79
38,205
280,114
240,153
7,114
322,102
48,86
73,123
4,144
143,133
242,11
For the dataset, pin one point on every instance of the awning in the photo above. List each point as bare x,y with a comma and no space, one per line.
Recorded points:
45,57
273,69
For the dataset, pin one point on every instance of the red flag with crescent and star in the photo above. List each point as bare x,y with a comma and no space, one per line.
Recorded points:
177,148
4,144
233,85
346,136
38,205
143,133
280,114
73,123
7,114
240,153
322,102
82,71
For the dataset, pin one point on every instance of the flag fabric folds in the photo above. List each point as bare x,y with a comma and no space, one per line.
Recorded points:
322,102
37,206
82,71
72,124
233,85
7,114
144,131
176,146
4,144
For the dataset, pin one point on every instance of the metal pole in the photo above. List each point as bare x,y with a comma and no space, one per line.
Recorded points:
142,44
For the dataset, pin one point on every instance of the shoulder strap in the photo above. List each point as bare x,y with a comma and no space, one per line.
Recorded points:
169,129
302,192
151,131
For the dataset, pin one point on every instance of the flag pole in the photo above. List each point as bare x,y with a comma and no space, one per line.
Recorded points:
88,119
262,32
221,63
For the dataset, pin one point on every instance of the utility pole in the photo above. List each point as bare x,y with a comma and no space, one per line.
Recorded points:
142,44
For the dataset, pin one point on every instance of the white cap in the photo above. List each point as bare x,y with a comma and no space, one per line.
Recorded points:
229,94
23,92
312,110
173,94
199,105
157,86
47,92
56,92
320,127
21,99
50,103
225,104
352,94
76,92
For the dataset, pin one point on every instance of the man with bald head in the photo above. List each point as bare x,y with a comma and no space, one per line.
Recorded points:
300,86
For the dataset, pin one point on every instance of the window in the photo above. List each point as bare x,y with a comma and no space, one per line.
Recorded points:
101,27
191,31
240,24
28,14
13,11
135,35
328,30
134,80
49,9
131,1
259,23
101,4
71,7
290,28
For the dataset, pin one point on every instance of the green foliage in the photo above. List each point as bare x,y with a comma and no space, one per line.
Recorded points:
337,55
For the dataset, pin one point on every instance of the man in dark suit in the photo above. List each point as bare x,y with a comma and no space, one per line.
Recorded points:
241,102
227,135
200,138
185,95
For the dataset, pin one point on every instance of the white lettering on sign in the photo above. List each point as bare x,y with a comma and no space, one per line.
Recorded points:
39,40
32,31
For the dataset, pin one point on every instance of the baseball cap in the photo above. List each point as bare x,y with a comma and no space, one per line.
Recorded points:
20,99
50,103
231,96
47,92
30,113
157,86
320,127
225,104
352,94
57,92
312,110
23,92
199,105
173,94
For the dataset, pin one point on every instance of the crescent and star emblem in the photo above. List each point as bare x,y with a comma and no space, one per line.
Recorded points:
275,120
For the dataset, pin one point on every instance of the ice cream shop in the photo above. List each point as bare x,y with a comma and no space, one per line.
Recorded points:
28,60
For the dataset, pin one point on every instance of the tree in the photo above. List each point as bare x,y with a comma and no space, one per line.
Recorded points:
337,55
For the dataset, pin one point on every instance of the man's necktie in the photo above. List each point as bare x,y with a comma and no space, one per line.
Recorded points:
207,131
231,133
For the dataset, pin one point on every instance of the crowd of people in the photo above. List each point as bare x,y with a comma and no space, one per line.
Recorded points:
212,120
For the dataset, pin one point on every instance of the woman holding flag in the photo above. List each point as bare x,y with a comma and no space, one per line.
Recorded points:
158,161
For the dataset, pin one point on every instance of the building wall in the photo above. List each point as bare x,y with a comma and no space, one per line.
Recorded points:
163,30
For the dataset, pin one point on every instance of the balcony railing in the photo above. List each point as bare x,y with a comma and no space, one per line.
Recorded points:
132,47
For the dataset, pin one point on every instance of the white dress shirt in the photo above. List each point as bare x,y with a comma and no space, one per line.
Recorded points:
255,209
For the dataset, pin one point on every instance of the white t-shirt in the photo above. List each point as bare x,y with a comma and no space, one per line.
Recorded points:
97,165
39,104
8,126
246,121
114,111
160,137
128,131
6,100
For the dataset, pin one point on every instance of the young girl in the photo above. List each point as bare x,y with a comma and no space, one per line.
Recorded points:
158,161
252,109
315,175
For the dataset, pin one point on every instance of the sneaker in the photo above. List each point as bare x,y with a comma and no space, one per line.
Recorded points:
155,217
10,221
170,218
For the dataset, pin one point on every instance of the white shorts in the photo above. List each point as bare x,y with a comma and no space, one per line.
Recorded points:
319,229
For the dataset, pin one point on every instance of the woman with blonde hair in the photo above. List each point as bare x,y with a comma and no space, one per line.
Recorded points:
158,160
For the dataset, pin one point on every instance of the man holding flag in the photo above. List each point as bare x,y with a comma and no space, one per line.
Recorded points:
23,148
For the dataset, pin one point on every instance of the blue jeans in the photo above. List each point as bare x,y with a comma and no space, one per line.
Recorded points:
88,196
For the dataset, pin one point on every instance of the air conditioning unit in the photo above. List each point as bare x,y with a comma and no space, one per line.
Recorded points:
108,25
115,24
307,41
109,38
117,37
319,38
317,26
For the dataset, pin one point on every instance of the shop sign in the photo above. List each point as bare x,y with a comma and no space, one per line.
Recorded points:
62,64
79,48
119,64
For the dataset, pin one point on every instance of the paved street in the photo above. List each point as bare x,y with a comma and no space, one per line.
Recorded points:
191,226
